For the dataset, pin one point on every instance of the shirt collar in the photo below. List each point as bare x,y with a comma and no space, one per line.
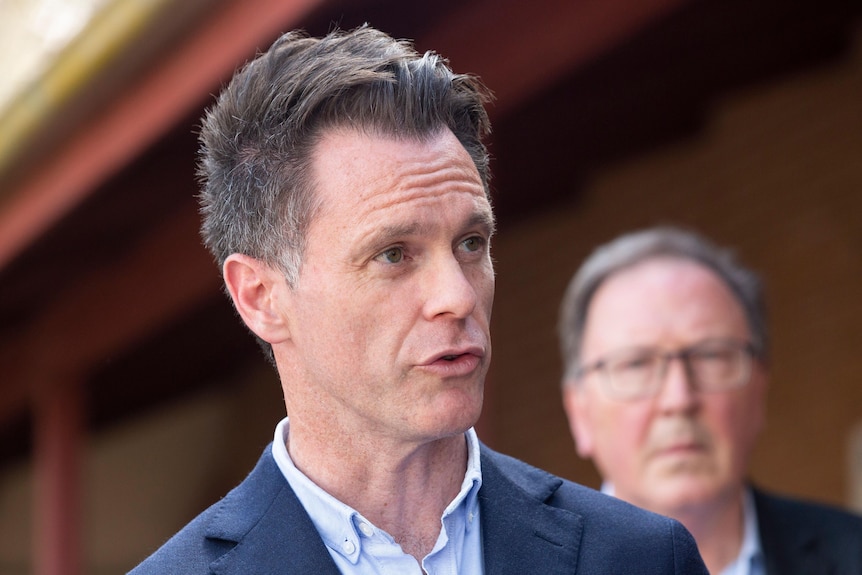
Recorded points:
750,558
472,478
340,525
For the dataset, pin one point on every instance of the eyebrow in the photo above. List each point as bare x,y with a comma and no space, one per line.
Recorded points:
485,219
386,234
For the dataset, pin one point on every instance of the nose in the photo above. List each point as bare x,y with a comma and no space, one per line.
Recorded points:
678,392
449,290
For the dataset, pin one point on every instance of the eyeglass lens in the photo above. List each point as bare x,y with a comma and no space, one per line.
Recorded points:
710,366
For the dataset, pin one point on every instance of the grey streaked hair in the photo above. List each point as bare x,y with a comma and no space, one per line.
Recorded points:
636,247
258,140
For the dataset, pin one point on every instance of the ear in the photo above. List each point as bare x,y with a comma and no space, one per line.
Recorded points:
259,294
574,402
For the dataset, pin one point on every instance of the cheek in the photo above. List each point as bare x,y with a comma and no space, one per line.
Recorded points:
332,320
490,287
632,425
621,434
736,423
483,282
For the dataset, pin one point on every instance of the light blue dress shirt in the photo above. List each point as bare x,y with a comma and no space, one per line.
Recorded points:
749,561
358,546
750,558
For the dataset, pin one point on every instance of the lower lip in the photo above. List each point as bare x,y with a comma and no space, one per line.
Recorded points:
460,366
680,451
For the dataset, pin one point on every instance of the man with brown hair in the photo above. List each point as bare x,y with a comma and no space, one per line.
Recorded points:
346,200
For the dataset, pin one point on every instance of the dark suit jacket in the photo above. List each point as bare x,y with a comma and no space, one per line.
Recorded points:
801,538
532,522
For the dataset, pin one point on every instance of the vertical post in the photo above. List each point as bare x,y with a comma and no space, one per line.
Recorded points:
58,422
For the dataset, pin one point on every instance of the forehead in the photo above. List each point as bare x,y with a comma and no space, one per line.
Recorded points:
357,173
663,301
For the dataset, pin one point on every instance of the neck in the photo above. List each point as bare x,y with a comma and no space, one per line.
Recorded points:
401,488
718,530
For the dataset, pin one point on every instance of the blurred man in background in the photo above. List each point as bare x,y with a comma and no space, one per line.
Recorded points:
665,345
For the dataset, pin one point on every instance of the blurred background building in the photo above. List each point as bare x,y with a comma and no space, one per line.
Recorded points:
130,395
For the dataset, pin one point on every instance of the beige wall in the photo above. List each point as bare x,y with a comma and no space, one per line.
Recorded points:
148,476
777,174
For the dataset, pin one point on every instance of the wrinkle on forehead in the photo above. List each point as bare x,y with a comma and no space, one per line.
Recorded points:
663,300
480,219
430,162
368,181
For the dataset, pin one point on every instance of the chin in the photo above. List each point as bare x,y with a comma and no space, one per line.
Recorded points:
688,493
461,422
454,419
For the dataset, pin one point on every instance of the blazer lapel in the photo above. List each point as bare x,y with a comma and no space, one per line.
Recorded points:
273,533
519,531
790,546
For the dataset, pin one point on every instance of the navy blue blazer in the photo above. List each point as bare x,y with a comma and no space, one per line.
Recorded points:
803,538
532,522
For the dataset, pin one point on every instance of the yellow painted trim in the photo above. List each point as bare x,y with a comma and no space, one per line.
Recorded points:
109,33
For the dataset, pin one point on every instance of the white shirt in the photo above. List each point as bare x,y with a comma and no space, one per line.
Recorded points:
358,546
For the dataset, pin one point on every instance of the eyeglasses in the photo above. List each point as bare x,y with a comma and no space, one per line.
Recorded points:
711,365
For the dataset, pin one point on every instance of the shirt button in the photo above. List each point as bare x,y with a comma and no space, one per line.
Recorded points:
348,547
366,529
470,517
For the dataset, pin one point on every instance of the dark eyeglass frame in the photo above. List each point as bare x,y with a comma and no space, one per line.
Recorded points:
745,354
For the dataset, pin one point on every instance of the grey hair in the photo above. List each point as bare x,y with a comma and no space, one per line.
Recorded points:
631,249
257,142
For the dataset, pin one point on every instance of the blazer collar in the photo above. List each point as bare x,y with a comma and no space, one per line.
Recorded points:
519,531
272,532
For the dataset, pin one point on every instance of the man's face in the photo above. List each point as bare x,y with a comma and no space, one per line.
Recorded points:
681,449
389,321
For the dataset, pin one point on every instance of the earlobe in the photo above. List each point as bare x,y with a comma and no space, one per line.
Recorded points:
257,291
579,426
